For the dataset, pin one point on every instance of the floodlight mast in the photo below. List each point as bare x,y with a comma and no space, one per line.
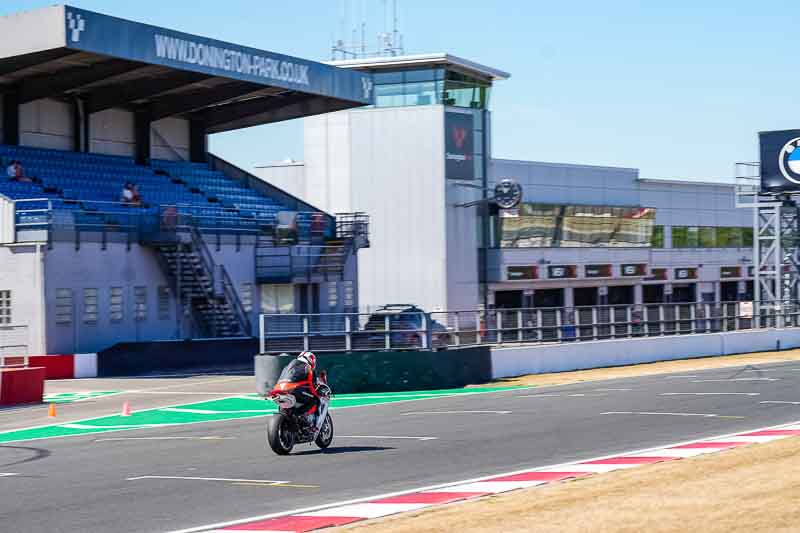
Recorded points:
776,232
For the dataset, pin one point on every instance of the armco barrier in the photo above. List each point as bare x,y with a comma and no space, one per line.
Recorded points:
389,370
539,359
80,365
21,385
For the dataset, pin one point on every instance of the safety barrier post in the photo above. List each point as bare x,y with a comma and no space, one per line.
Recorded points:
539,325
629,317
426,329
305,334
262,337
499,320
594,323
457,326
692,318
387,339
348,340
519,325
559,333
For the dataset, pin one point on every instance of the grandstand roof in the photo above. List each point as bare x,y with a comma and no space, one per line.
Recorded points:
62,51
423,60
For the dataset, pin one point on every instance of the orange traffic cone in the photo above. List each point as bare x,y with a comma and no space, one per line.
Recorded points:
51,411
126,409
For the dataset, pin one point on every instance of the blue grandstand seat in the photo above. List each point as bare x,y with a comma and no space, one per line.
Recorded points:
83,179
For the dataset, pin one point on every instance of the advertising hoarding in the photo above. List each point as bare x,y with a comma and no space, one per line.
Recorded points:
780,160
459,146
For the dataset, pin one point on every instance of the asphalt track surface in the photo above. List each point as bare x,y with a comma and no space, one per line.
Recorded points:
83,483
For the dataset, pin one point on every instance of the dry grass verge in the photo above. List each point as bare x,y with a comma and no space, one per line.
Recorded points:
753,488
664,367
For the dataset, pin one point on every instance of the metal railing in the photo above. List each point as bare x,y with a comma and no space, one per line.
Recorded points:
142,223
439,330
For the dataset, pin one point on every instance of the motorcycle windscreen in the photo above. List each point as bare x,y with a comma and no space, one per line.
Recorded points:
294,372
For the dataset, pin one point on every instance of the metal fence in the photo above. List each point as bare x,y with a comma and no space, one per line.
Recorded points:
418,330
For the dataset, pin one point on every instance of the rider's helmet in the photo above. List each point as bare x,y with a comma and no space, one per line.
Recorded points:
308,358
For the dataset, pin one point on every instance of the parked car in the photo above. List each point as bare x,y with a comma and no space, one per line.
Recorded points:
406,328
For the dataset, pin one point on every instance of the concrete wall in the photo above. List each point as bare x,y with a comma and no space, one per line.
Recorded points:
32,31
169,139
291,177
388,163
21,272
47,123
90,267
112,132
7,227
520,360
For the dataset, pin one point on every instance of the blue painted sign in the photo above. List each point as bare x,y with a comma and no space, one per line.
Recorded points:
102,34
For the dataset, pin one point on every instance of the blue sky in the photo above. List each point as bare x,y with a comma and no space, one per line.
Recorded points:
678,89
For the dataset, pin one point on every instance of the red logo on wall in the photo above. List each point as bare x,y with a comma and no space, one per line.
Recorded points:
459,136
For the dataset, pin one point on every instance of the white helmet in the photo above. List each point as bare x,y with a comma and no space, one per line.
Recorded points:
309,358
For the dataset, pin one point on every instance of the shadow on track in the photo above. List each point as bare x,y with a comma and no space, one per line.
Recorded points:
346,449
36,454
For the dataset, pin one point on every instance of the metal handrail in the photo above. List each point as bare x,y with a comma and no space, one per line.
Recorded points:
342,331
233,296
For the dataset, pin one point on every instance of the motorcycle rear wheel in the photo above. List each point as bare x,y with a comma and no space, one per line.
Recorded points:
325,436
281,434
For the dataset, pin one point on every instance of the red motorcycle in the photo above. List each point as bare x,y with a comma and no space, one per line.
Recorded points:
294,423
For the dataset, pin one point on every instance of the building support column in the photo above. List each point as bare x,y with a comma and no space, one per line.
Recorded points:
11,118
198,141
638,294
141,126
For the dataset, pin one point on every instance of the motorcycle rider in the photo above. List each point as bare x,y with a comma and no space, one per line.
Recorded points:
303,372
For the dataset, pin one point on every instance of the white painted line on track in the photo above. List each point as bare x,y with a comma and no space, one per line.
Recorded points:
8,474
706,415
213,412
561,467
585,395
613,390
710,394
383,437
680,377
124,426
537,395
225,479
780,402
733,379
112,439
457,413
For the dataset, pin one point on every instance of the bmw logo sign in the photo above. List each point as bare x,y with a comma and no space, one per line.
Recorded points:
789,160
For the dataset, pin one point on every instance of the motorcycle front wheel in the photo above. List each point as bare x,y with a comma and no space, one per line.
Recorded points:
325,436
280,434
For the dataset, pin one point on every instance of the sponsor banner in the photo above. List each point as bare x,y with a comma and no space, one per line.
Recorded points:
685,273
730,272
518,273
657,274
124,39
597,271
780,160
561,271
632,270
459,146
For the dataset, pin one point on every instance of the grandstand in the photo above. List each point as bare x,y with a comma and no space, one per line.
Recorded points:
91,103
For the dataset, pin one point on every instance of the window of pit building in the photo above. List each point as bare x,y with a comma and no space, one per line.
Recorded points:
90,307
711,237
576,226
140,303
247,296
115,309
658,237
5,307
163,302
64,306
277,299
